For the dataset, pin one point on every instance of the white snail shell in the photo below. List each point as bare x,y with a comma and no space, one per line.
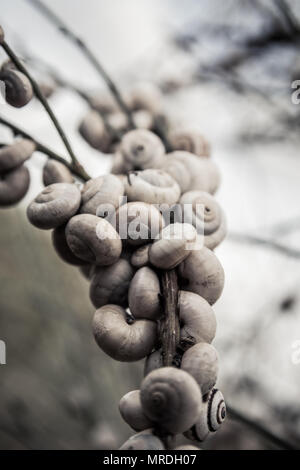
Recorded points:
145,96
178,170
93,130
186,447
153,186
144,440
201,362
201,272
190,141
207,216
131,411
97,192
120,340
141,149
14,155
197,320
171,398
56,172
144,294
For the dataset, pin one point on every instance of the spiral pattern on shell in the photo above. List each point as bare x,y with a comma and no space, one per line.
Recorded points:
190,141
216,410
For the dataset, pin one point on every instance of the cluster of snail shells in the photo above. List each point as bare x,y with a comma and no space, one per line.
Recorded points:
18,89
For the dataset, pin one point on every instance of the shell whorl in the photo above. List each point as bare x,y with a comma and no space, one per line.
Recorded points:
216,410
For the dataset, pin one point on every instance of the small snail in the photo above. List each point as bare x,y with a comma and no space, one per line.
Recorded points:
190,141
143,119
145,96
97,192
173,246
171,398
201,272
138,222
131,411
153,361
152,186
144,294
110,284
144,440
118,166
120,340
103,102
18,89
141,149
201,362
178,171
56,172
118,121
93,239
54,205
14,185
207,216
197,320
210,418
62,248
14,155
93,130
140,256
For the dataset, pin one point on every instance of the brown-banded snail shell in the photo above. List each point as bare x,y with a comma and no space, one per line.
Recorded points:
171,398
14,185
97,192
131,411
93,130
144,440
110,284
190,141
201,272
152,186
56,172
197,320
140,256
210,418
54,206
141,149
144,294
14,155
120,340
207,216
18,89
93,239
201,362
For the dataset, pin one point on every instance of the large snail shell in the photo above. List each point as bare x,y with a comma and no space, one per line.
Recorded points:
106,189
54,205
201,362
175,243
18,89
56,172
197,320
178,171
153,361
201,272
110,284
190,141
152,186
93,239
144,294
144,440
140,256
141,149
120,340
207,216
131,411
62,248
171,398
14,185
210,418
14,155
93,130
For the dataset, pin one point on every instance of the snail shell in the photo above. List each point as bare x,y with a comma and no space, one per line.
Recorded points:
138,222
14,185
202,273
118,121
207,216
62,248
14,155
174,245
18,89
140,256
93,130
186,447
93,239
210,418
145,96
110,284
103,103
106,189
143,119
141,149
144,440
178,171
190,141
56,172
197,320
54,205
152,186
171,398
131,411
122,341
144,294
153,361
118,166
201,362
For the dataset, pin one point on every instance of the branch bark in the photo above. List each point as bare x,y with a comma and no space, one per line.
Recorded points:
170,330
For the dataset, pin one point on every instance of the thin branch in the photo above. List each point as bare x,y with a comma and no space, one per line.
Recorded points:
170,331
254,240
80,173
259,429
54,19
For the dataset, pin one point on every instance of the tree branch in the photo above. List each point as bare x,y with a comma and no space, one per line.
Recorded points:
170,331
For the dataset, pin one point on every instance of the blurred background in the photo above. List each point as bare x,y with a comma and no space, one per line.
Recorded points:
227,69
